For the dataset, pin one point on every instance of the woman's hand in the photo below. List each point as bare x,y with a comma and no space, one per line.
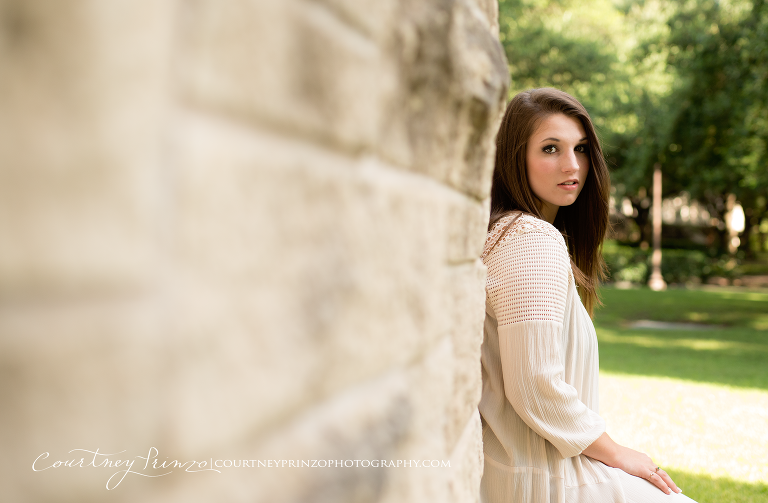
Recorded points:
631,461
641,465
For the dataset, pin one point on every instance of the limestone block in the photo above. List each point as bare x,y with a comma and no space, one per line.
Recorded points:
79,374
371,421
429,380
391,417
264,270
305,272
374,18
467,463
82,93
483,76
467,229
453,80
467,311
303,67
419,120
489,9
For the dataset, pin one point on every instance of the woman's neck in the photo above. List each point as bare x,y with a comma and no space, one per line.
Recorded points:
548,211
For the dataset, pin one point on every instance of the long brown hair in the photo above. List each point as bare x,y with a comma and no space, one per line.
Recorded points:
583,223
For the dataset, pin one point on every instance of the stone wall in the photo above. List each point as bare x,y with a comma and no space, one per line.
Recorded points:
244,230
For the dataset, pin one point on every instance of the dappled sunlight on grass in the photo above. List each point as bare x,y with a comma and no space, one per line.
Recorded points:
702,430
761,322
743,309
732,351
694,399
692,316
735,358
663,341
718,489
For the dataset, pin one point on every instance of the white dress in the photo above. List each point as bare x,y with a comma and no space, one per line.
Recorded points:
539,405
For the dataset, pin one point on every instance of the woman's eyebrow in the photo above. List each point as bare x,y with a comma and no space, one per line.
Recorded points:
556,139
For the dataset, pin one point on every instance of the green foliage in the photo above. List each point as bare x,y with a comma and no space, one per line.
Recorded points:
628,263
719,51
680,84
682,266
581,47
597,52
753,268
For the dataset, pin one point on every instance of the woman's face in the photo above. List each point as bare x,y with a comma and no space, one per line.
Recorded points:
557,155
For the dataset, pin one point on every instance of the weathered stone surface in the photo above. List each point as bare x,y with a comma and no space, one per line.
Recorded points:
297,66
430,382
327,292
245,230
82,97
467,306
481,70
467,462
453,82
489,10
81,374
374,18
422,85
468,221
369,422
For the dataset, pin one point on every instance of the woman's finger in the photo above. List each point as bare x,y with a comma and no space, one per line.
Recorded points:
656,479
668,480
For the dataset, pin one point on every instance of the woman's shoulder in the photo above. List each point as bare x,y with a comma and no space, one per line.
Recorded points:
522,223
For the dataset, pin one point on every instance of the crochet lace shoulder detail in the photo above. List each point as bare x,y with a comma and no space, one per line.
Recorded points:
524,223
529,271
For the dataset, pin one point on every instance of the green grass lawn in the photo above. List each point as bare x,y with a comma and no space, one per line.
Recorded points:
732,307
735,354
706,488
695,400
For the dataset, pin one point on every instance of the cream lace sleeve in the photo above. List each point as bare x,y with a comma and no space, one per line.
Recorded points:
527,287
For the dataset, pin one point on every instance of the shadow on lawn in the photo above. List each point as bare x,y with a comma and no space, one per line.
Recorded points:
707,489
735,355
735,309
686,355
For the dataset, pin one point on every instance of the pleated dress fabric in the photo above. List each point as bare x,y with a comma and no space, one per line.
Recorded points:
539,405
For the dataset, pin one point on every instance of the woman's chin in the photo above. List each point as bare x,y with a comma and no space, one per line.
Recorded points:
566,201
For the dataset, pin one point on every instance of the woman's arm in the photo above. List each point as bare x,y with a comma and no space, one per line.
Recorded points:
528,282
633,462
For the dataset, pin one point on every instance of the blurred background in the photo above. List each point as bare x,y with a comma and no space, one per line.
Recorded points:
680,87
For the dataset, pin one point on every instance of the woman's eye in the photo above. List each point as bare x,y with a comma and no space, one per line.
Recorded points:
581,148
549,149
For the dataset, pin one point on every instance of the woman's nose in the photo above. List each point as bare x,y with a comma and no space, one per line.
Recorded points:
570,162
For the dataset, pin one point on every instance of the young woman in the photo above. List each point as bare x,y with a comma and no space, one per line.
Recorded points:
542,436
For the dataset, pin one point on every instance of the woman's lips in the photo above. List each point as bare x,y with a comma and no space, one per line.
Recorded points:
569,187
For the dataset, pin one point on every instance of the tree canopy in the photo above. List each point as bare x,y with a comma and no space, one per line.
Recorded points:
679,84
